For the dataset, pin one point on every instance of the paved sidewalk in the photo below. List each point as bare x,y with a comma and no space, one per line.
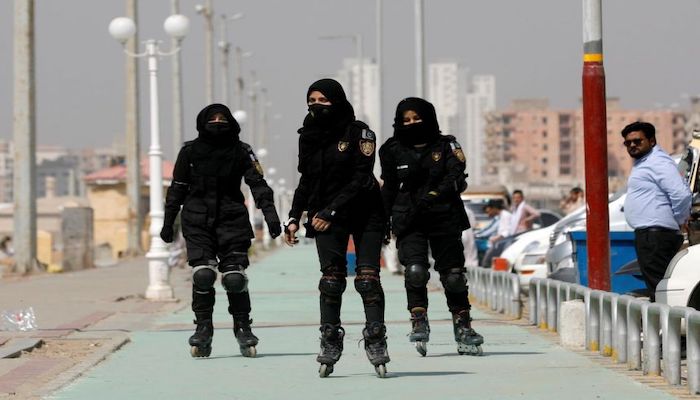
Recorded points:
517,362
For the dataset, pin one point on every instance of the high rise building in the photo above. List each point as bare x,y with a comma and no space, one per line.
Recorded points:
445,91
365,101
479,102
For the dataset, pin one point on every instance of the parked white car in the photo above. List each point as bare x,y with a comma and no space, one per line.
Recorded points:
522,248
681,283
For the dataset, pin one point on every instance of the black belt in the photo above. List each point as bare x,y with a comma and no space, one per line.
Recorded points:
657,229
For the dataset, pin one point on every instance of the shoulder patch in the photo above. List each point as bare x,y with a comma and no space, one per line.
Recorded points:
367,147
457,151
368,134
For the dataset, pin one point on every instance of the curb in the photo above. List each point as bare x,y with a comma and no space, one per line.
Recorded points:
73,373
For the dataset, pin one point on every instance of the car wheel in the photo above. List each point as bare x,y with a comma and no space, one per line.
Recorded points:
694,301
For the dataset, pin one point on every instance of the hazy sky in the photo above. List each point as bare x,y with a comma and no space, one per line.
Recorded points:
652,54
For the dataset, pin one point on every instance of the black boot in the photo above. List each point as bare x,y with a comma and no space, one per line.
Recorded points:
420,330
468,340
331,348
244,335
375,346
201,339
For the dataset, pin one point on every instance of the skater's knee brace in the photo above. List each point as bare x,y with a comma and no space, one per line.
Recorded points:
454,280
332,284
416,276
234,279
203,278
367,282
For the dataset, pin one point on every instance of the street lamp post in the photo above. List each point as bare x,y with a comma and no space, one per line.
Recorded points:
420,49
207,12
122,29
240,55
225,47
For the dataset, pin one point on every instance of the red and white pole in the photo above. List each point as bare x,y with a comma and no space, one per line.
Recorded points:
596,147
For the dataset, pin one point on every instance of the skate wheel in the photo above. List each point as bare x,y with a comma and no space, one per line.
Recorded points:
381,370
325,370
200,351
422,348
471,350
250,352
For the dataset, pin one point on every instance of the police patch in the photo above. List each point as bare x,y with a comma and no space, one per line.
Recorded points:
437,156
367,147
342,146
258,167
368,134
459,154
457,151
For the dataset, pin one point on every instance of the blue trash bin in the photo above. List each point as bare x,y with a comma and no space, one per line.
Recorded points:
621,252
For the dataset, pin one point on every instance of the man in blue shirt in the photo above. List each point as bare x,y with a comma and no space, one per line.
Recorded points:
657,204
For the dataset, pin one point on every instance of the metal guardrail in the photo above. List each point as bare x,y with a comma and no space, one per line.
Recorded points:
646,336
499,290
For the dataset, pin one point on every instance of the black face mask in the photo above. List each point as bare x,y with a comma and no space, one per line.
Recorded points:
217,128
413,134
321,113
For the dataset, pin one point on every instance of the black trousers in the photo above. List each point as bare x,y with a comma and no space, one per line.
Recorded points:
448,252
655,249
222,245
332,251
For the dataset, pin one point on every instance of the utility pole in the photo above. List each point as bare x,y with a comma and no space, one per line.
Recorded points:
133,146
380,82
24,127
595,147
420,49
178,133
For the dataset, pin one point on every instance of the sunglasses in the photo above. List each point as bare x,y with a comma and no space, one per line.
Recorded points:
636,142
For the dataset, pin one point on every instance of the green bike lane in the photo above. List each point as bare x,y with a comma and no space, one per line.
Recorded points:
516,364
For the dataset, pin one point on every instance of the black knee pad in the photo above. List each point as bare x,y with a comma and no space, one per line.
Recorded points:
332,285
416,276
454,280
234,279
203,277
367,280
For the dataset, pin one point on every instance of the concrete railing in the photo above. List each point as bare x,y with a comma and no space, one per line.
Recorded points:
627,329
499,290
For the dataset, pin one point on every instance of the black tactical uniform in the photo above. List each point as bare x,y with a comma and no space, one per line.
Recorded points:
423,175
215,223
336,157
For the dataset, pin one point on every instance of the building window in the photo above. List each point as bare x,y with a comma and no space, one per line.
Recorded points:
544,173
565,171
544,160
544,133
544,120
544,146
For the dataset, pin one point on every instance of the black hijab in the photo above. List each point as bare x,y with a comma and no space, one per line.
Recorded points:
426,131
316,133
224,138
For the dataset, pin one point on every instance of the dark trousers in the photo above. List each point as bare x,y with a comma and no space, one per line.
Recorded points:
219,246
332,251
655,249
448,252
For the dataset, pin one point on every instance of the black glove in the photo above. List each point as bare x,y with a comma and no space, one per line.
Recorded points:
167,233
427,200
326,214
274,227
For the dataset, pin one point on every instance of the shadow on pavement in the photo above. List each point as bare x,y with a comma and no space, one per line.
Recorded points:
488,353
393,374
261,355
